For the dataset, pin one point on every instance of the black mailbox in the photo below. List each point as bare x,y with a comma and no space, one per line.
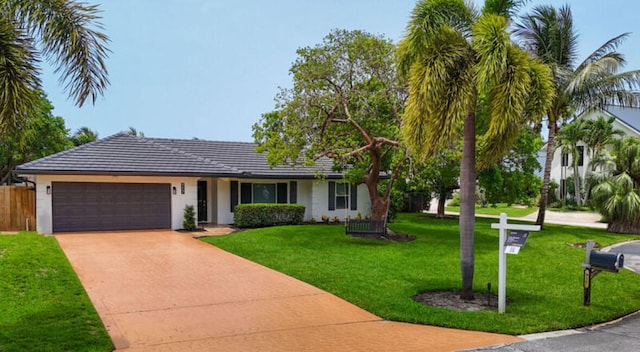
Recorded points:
606,261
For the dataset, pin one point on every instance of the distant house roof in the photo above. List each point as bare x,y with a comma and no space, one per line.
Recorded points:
123,154
629,116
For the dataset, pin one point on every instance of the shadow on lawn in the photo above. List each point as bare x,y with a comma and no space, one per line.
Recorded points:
48,330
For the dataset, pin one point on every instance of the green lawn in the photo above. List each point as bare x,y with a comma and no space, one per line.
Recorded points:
500,208
42,303
544,282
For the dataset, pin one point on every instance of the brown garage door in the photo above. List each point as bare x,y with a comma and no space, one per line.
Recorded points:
87,206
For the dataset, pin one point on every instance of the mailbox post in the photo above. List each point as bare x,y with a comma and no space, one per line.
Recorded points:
503,226
595,263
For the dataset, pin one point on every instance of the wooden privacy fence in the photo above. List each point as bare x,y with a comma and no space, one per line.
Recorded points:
17,208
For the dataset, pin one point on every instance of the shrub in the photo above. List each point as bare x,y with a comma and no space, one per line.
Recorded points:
455,201
189,222
262,215
336,220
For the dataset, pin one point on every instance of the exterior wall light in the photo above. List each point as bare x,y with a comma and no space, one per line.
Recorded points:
48,189
174,190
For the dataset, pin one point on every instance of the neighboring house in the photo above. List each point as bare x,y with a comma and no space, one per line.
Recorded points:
626,120
124,182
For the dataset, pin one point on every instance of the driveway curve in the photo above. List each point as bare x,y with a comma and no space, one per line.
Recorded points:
165,291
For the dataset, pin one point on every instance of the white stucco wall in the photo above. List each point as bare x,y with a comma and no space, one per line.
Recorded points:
44,220
320,202
225,216
313,194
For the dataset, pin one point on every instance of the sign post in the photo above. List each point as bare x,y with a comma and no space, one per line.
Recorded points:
513,244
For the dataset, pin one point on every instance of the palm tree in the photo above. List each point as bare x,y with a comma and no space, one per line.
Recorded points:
134,132
83,135
548,33
569,136
67,34
598,134
617,195
450,56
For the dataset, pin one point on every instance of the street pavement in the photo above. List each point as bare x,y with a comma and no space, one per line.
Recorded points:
622,335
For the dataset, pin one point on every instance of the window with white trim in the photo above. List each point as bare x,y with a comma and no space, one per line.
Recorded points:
342,195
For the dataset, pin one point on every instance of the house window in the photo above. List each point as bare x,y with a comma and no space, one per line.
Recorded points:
580,155
263,193
342,195
565,159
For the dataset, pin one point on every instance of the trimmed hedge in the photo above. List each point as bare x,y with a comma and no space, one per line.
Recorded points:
263,215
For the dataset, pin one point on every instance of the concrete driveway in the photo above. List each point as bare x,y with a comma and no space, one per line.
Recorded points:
165,291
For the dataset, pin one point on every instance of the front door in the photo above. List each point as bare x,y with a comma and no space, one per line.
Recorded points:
202,201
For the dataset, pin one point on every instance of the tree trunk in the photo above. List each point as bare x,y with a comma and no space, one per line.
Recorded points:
379,208
576,184
441,203
627,227
467,204
544,193
379,205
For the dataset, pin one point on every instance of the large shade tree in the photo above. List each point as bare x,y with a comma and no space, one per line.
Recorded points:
451,58
548,33
66,33
345,104
40,135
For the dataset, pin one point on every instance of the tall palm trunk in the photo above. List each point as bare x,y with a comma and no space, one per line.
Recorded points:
467,204
544,193
576,181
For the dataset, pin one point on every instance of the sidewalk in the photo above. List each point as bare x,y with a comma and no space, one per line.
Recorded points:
572,218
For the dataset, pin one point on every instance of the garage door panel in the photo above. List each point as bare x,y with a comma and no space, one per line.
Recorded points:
85,206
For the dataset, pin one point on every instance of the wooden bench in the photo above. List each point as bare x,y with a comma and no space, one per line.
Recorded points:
366,227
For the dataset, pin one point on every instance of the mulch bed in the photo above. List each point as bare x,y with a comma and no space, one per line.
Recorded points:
451,300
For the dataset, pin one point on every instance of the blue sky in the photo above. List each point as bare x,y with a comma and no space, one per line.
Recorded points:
210,68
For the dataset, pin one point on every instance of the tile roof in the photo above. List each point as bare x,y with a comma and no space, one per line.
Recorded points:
131,155
630,116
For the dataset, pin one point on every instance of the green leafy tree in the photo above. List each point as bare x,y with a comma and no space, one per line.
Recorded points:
67,33
617,194
451,58
345,104
513,179
438,176
83,135
42,134
548,33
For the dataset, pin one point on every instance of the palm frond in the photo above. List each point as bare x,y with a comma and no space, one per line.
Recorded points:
427,19
440,88
71,38
548,34
609,46
19,83
491,43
